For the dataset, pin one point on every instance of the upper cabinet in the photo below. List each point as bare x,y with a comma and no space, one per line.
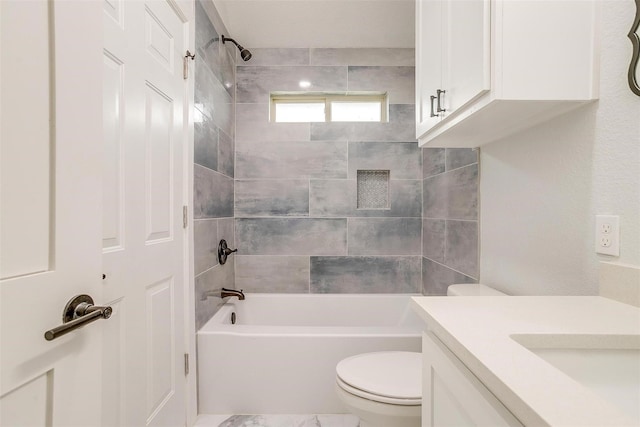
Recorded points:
489,68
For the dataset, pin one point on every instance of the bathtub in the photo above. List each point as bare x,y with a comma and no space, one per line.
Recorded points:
280,356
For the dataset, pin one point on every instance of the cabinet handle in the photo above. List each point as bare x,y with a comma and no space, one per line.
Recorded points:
441,100
433,114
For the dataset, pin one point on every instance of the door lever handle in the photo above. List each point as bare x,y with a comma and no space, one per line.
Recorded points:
78,312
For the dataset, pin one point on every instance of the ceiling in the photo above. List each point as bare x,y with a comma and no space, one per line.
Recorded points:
319,23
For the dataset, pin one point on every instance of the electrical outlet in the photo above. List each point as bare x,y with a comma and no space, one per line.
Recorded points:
608,235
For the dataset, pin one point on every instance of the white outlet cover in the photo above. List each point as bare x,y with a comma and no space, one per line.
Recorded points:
608,231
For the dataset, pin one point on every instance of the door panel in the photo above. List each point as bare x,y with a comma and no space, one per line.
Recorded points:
428,60
51,195
145,273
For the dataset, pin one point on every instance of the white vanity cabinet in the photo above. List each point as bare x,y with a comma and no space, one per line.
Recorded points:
488,68
452,395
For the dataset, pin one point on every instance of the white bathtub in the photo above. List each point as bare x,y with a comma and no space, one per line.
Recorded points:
280,356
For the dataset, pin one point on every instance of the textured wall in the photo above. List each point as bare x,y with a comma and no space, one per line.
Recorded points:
214,126
542,188
297,225
449,218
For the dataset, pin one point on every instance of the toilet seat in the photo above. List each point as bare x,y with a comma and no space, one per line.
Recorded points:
386,377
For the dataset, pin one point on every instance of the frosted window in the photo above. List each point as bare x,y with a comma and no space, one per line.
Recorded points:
297,112
373,189
356,111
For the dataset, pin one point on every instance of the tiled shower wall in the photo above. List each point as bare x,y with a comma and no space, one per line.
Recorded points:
297,225
214,125
450,218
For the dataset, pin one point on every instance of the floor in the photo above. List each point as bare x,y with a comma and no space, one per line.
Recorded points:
325,420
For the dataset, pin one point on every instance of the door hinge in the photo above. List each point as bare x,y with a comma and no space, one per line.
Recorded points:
185,64
186,364
185,216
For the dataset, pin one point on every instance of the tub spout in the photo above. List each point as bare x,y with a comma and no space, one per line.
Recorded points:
232,293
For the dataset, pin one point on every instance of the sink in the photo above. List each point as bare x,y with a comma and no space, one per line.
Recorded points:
607,365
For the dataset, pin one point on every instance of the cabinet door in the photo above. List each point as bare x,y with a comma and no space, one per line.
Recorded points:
452,395
467,51
428,61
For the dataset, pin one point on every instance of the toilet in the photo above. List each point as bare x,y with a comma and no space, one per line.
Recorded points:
384,388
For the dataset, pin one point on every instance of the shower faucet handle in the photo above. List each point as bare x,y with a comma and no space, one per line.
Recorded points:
224,252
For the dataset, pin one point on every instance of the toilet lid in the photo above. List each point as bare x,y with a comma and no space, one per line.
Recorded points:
392,374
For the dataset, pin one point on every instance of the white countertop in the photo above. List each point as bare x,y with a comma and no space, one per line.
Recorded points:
479,329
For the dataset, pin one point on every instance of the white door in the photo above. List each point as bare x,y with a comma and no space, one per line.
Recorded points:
143,237
50,194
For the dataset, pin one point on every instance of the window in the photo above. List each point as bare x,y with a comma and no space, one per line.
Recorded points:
322,107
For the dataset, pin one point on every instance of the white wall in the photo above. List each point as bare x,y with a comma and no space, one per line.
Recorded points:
541,189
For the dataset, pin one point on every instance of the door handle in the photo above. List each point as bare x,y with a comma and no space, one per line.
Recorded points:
433,114
440,97
78,312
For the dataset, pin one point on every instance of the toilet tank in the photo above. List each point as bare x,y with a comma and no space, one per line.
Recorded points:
472,290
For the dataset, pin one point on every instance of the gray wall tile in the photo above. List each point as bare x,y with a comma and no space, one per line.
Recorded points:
273,197
254,84
462,247
452,195
226,154
433,239
205,244
288,159
398,82
385,236
436,278
401,128
283,56
365,274
433,161
459,157
289,236
403,159
212,195
338,198
253,125
205,135
273,274
226,231
363,56
213,99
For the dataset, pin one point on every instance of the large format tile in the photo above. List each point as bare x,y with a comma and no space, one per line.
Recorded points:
213,194
452,195
212,98
291,159
252,124
291,236
272,274
277,56
402,159
398,82
205,145
254,84
459,157
325,420
226,154
226,231
365,274
433,239
433,161
400,128
272,197
385,236
338,198
205,244
462,247
436,278
363,56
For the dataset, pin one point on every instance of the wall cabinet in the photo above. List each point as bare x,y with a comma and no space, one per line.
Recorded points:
486,69
452,395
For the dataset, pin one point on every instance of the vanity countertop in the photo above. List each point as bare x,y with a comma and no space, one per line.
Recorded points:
481,331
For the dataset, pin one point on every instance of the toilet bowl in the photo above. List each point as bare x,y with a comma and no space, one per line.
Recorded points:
384,389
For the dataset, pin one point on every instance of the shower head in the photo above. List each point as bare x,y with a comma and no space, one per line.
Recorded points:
244,53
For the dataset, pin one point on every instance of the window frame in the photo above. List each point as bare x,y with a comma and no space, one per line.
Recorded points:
328,99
